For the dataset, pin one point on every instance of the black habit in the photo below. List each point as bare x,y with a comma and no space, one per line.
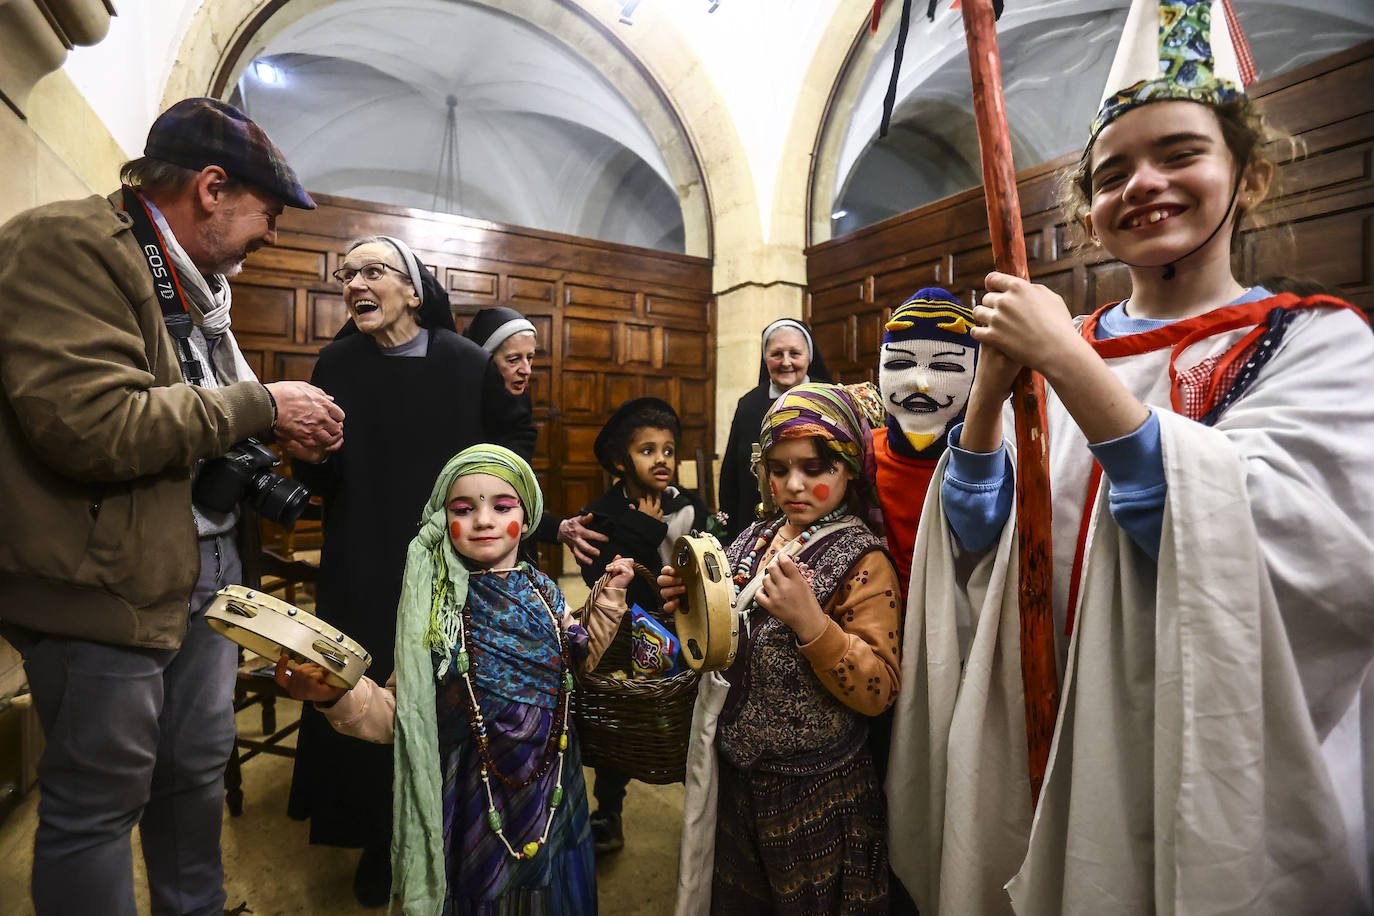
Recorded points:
739,490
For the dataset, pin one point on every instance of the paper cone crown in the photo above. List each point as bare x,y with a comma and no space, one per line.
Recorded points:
1191,50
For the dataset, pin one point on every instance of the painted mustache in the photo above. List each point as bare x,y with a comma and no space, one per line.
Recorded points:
919,402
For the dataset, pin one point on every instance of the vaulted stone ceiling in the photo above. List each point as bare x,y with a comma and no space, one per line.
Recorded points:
1055,58
543,140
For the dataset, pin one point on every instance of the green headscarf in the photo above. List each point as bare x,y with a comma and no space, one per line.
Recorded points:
433,592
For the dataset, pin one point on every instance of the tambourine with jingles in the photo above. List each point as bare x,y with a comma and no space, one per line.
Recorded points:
270,627
707,622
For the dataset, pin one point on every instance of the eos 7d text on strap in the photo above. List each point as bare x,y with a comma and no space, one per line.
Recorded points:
175,313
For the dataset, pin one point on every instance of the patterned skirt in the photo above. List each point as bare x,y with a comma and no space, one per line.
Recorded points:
793,845
483,878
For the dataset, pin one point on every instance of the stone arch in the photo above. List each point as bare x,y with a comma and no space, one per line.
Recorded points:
650,64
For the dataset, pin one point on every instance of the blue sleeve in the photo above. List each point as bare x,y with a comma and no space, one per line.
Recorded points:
1134,465
977,492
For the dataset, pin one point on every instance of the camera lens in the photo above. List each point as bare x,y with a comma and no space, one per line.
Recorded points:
277,498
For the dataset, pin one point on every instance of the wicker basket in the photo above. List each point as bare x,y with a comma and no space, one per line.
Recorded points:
639,727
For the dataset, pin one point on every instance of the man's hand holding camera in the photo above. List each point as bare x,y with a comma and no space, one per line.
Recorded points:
309,424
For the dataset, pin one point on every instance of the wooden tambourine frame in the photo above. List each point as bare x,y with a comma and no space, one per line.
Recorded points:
707,622
270,627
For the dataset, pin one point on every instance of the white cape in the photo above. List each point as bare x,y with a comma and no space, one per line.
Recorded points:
1187,771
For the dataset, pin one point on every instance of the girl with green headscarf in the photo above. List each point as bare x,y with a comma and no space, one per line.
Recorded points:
490,809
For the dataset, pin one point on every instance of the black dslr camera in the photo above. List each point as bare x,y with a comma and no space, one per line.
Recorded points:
243,475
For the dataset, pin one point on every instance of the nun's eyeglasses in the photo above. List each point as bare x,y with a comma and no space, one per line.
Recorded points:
371,272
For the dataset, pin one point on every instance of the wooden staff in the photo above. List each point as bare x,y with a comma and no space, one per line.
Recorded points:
1038,673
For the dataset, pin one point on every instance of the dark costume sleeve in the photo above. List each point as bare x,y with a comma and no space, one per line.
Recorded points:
546,532
699,511
738,488
507,417
632,534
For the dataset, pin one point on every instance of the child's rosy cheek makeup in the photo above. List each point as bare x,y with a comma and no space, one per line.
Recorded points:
822,491
513,529
455,529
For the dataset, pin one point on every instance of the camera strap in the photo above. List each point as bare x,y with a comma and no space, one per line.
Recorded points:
170,297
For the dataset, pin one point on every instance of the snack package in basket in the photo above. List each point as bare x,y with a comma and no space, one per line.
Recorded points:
653,648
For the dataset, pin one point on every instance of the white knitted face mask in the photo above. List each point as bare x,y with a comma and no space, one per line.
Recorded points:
925,385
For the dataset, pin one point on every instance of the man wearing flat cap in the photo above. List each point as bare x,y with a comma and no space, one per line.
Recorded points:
119,378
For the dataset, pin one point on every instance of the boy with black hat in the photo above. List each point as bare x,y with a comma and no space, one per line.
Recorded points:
643,515
121,376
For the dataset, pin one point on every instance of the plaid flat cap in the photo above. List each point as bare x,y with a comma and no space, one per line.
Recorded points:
195,133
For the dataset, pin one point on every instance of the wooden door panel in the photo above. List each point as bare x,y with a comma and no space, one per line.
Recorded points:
657,386
683,349
578,438
598,298
868,334
837,299
833,336
694,404
327,315
472,284
256,362
278,261
587,339
659,306
619,389
264,311
1335,247
638,347
294,366
581,394
523,291
1108,281
894,288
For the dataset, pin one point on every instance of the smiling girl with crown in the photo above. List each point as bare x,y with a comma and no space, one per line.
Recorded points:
1213,484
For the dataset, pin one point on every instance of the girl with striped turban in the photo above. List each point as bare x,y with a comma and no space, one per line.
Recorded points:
784,812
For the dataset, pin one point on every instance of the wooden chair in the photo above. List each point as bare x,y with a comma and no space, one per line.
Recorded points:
274,560
255,686
289,559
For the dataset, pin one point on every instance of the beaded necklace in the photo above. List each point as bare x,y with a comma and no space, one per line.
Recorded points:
462,666
744,570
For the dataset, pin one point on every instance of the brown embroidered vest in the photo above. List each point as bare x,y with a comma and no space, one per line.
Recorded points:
778,716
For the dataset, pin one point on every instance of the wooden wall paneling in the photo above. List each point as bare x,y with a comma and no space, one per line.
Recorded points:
661,387
264,311
637,345
589,340
895,287
300,330
1318,224
598,298
295,366
524,292
327,314
620,387
472,284
278,261
255,361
